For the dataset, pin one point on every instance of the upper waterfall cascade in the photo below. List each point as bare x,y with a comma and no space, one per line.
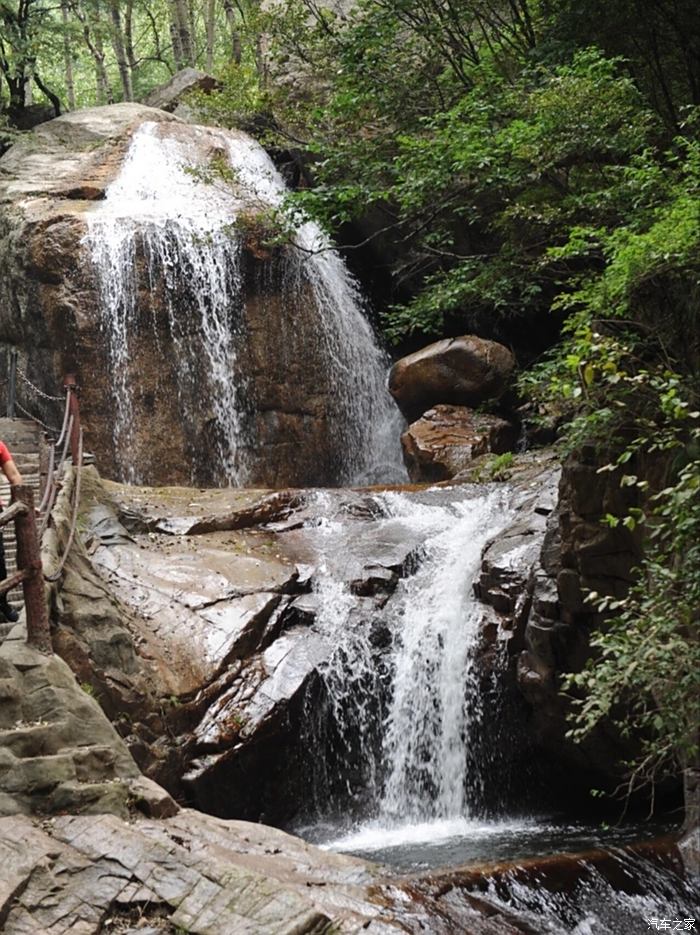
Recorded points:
172,225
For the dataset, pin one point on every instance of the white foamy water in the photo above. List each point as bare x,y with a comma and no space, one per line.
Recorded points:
431,764
425,774
376,836
168,225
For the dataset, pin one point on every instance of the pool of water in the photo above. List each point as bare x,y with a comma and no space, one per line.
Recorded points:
415,847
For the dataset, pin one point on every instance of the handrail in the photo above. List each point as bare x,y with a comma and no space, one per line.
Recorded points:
55,575
49,478
66,414
12,581
29,533
53,482
12,512
29,565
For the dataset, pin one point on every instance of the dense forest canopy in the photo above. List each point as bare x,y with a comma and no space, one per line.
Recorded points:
525,169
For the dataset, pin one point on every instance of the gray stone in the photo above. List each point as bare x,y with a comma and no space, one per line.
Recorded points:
169,95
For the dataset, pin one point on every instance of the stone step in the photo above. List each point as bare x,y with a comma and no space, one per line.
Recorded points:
32,740
17,432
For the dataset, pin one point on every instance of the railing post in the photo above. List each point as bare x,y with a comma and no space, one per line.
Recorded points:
70,384
29,559
12,384
44,466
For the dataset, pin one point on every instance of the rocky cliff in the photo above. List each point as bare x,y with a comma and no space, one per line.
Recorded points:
205,355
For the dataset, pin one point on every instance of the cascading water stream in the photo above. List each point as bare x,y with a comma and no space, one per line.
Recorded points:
415,736
434,772
168,227
410,737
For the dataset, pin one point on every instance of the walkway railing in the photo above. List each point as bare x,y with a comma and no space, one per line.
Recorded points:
30,522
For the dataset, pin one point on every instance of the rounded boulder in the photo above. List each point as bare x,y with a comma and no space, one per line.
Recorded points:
462,371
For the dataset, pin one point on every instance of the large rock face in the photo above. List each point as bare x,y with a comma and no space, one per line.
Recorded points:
534,578
190,613
202,352
463,371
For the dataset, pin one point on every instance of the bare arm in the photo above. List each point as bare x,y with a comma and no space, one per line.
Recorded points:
11,472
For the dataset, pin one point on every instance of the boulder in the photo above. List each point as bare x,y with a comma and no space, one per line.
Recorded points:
169,96
58,751
445,439
464,371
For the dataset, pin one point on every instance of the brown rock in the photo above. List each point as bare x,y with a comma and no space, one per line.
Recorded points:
442,443
464,371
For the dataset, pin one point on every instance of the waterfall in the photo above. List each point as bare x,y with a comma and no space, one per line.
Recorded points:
170,233
433,768
426,767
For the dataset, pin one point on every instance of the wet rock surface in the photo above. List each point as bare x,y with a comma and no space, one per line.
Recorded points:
194,618
202,645
444,441
534,578
51,310
191,873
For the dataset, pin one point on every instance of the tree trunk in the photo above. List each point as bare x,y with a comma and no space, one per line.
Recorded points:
67,59
129,38
211,32
183,48
93,41
48,93
120,51
236,47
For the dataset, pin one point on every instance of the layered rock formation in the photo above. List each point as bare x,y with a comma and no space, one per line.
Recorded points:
534,579
445,439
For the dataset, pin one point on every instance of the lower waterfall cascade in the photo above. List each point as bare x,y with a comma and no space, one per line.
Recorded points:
413,728
171,225
406,729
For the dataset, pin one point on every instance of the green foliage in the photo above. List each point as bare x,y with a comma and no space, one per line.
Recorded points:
645,672
496,468
474,154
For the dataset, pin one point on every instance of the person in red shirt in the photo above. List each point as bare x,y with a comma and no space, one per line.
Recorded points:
10,471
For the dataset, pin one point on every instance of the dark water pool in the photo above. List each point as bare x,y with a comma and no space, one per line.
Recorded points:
455,842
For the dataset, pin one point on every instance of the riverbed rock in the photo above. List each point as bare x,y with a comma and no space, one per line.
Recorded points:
463,371
199,875
195,875
446,438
